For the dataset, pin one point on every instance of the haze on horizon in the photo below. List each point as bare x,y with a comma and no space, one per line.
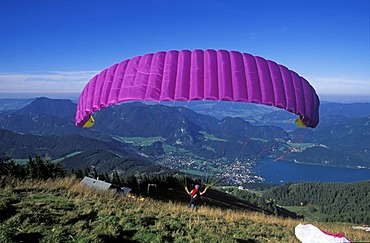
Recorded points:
74,97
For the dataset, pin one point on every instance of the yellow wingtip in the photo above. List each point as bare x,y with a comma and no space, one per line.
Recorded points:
89,122
299,122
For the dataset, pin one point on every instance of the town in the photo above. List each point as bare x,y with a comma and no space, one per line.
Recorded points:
236,172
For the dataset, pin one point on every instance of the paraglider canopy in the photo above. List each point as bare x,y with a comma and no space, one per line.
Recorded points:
308,233
200,75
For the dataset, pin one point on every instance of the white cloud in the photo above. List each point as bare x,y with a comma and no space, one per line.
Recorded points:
341,86
75,81
45,82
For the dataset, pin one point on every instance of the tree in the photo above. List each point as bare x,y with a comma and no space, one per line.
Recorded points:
115,179
8,167
39,168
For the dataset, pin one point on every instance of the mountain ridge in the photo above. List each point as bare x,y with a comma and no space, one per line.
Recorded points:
159,132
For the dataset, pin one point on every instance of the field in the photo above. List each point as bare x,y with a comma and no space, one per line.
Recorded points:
139,141
65,211
305,211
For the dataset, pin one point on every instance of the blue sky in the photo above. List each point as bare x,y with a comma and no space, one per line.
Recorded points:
57,46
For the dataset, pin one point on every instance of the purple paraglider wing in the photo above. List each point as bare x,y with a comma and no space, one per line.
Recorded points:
199,75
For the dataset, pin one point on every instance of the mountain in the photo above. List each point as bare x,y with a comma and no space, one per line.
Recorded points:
77,152
13,104
180,138
108,161
138,120
61,108
353,110
253,113
222,109
21,146
181,128
262,114
40,118
337,140
238,129
177,125
159,133
44,116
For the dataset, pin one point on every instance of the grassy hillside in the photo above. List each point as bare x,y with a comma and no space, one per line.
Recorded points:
64,211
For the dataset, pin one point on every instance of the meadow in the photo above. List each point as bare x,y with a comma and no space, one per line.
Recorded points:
62,210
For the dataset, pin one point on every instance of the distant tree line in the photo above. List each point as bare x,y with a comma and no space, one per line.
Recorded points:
35,168
139,183
267,205
42,169
337,201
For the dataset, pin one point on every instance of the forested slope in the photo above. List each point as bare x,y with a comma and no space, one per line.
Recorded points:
338,201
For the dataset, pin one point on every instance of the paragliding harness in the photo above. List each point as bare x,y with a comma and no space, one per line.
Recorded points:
195,197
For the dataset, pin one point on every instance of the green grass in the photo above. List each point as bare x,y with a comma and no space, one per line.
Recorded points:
301,146
64,211
21,161
24,161
196,172
259,139
169,148
305,211
212,137
209,148
67,156
139,141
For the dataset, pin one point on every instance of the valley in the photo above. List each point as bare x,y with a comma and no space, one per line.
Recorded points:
178,138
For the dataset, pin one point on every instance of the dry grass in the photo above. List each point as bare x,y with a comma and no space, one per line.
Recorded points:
78,213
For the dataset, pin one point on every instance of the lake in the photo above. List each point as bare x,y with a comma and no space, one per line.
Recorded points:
285,171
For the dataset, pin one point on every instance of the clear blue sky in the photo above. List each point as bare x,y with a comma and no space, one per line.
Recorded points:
57,46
